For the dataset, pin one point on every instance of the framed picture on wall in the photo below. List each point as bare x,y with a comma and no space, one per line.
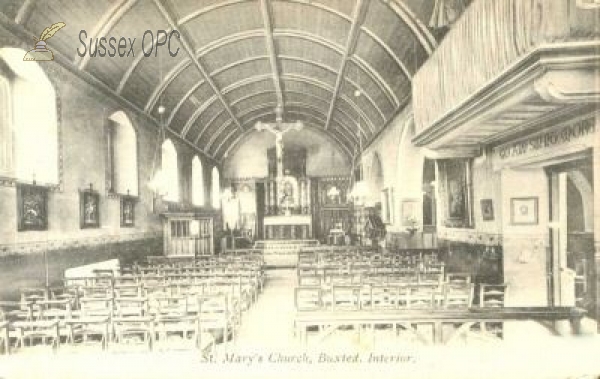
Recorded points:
32,207
456,188
410,208
89,209
524,211
128,211
487,210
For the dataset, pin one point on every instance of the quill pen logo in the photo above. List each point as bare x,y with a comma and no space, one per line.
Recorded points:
41,52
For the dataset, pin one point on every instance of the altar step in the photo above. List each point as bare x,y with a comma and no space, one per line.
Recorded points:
282,253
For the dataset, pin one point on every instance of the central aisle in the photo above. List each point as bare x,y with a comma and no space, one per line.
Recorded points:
268,325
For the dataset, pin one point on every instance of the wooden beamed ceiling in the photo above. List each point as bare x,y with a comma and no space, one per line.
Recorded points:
343,67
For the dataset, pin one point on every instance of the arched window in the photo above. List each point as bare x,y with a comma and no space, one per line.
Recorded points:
170,171
197,182
216,188
122,145
28,120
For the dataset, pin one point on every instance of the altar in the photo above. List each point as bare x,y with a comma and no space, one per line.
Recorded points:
290,227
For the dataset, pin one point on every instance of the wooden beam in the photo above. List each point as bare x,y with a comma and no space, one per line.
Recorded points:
358,15
190,51
267,16
427,40
25,11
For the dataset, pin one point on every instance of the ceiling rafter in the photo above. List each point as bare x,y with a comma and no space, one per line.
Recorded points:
388,50
136,61
190,51
232,38
183,99
267,17
330,69
320,84
256,94
198,111
105,25
25,11
208,123
251,95
209,8
178,69
225,140
291,34
216,134
366,67
358,16
258,78
421,31
225,91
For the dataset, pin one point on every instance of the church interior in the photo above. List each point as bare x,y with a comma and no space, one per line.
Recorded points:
297,187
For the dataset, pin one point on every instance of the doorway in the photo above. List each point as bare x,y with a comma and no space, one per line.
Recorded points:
571,268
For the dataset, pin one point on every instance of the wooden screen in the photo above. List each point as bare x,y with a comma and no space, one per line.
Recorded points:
187,235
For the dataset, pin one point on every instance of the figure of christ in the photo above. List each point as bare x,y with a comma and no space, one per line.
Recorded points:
279,128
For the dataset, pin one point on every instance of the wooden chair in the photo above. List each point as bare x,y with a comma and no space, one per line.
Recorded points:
420,296
345,298
131,319
431,278
458,278
128,290
44,330
215,317
92,319
307,298
97,291
492,295
458,296
173,319
385,297
309,281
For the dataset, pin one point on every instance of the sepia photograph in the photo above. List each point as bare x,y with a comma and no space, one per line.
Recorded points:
299,189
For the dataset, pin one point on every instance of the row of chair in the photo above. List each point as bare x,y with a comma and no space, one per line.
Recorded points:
115,319
385,297
163,299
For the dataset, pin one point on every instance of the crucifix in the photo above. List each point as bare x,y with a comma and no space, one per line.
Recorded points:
279,128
